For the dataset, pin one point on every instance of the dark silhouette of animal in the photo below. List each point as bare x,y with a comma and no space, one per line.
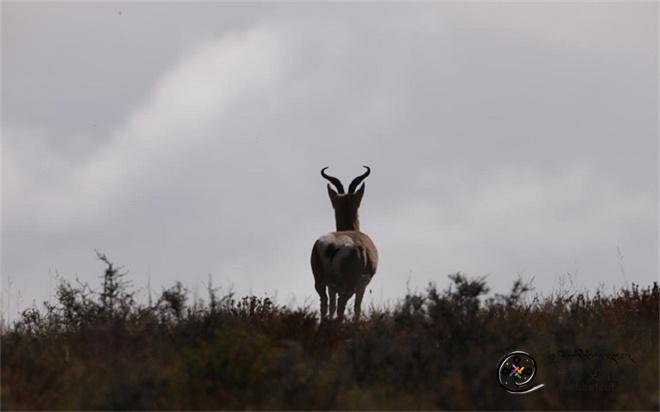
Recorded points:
344,261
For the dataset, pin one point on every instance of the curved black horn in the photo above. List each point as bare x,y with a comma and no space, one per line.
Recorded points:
356,182
333,180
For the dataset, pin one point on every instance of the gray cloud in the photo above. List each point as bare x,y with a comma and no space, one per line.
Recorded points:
186,139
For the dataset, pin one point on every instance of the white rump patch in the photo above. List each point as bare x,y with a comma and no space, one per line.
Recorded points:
344,246
337,241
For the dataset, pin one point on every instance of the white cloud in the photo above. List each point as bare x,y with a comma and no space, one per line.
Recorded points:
182,111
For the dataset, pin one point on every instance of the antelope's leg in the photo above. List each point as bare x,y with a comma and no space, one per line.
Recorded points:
320,289
358,303
341,305
333,301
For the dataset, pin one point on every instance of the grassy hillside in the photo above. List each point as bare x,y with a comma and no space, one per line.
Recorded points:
433,350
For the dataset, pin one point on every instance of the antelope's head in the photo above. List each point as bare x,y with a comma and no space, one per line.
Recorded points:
346,204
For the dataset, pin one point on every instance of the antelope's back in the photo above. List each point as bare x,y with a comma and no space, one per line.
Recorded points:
344,259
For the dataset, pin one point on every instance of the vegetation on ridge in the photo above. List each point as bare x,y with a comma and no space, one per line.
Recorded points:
435,349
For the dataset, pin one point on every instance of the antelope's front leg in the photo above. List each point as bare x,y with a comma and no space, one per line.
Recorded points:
341,305
333,301
358,304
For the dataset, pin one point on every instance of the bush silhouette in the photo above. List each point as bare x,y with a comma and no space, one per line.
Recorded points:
435,349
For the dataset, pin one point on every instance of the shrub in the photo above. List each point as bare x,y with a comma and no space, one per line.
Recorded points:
433,350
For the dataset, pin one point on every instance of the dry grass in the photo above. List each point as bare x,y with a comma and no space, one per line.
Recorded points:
434,350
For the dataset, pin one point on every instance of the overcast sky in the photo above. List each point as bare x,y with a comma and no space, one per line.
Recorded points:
187,139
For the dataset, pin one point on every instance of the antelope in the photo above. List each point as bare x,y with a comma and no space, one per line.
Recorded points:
344,261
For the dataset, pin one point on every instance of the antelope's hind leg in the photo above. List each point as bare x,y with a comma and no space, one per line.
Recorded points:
319,276
320,289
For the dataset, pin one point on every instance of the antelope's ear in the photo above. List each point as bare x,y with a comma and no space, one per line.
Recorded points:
333,195
359,193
